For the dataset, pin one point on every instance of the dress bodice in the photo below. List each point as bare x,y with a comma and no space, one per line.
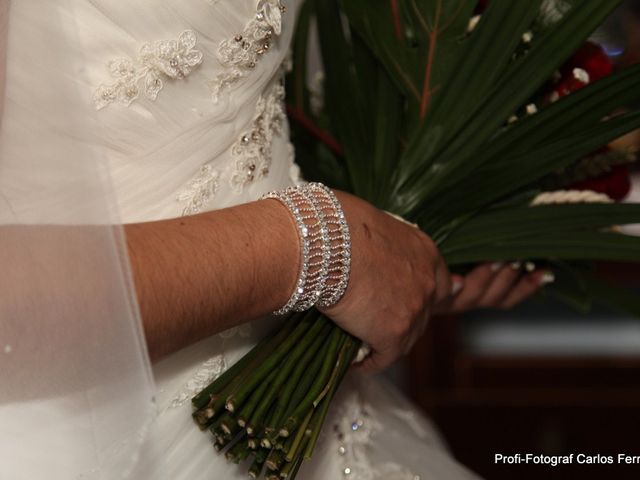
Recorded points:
189,99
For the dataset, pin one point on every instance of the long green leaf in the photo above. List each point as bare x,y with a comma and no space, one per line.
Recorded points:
345,103
567,246
524,222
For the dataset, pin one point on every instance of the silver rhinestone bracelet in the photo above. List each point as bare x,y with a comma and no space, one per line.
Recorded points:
340,257
325,246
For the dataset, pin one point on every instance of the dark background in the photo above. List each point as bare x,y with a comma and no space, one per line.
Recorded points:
559,405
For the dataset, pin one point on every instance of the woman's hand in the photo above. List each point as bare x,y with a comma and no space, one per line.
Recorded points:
495,285
397,276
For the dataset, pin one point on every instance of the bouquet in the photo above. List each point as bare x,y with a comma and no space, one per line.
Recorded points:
468,118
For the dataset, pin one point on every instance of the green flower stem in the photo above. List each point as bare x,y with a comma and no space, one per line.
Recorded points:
262,454
254,443
295,379
290,470
264,441
336,371
239,451
310,375
247,409
205,414
296,444
217,431
335,343
221,443
249,383
275,460
347,354
287,367
226,425
288,443
258,463
255,469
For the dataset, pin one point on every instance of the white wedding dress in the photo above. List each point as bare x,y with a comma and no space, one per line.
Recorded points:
185,99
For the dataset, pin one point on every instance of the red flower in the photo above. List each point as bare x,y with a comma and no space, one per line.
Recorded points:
615,183
591,59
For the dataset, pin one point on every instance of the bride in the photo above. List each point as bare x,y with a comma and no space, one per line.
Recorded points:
166,117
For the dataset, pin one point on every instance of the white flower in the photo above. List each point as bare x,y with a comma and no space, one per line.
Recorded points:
473,21
581,75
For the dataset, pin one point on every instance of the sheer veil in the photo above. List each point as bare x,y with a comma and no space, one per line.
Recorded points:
76,389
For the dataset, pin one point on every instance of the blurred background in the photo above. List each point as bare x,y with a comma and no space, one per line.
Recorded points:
540,379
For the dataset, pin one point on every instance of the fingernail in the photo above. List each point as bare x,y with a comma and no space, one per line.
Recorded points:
547,278
516,265
495,266
456,287
363,352
529,266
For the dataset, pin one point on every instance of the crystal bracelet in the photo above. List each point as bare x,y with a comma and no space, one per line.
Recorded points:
340,256
325,246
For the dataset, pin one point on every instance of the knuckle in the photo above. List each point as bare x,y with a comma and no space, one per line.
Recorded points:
401,327
415,304
428,242
429,285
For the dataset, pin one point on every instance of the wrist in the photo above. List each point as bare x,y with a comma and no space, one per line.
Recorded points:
283,248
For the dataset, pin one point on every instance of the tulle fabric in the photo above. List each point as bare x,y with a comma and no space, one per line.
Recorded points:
78,399
77,392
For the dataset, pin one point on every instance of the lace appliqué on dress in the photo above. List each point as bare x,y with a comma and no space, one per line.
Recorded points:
243,330
207,373
295,174
199,191
209,370
253,149
241,54
355,430
165,59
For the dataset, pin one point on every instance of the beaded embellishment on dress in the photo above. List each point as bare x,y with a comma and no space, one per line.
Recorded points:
355,429
253,149
164,59
252,153
199,191
241,54
207,373
244,331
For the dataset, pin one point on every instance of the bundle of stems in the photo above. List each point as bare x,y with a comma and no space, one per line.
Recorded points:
270,406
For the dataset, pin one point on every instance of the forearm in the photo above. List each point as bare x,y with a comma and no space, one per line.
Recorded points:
199,275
